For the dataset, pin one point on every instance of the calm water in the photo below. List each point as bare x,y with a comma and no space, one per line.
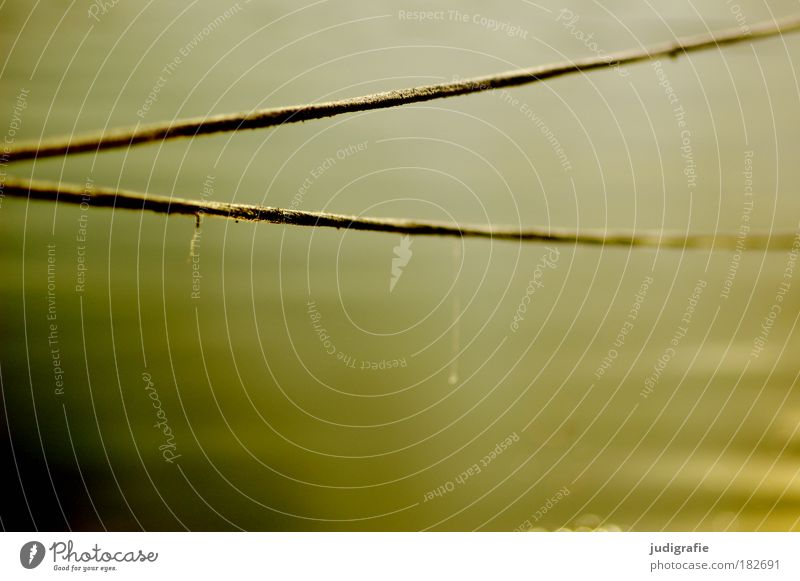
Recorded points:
268,377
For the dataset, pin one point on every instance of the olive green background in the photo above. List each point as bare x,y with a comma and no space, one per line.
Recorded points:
275,433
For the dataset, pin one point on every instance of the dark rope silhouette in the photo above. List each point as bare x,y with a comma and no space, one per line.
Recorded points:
111,198
125,137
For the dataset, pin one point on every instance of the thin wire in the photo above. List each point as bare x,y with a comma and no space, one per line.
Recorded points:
126,137
112,198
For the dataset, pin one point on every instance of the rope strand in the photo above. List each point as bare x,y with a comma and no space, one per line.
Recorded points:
111,198
141,134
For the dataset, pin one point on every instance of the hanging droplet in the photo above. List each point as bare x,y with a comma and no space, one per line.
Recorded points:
194,243
455,315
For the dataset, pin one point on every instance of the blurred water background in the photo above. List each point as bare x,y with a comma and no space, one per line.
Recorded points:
271,378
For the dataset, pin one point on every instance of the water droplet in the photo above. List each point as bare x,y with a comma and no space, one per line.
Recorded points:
456,315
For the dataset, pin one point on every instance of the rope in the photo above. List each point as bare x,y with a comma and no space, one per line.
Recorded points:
141,134
121,199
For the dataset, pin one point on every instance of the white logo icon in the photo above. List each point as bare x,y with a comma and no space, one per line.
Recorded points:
402,253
